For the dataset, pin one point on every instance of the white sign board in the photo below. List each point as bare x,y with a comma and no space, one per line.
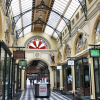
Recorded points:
43,90
59,67
70,62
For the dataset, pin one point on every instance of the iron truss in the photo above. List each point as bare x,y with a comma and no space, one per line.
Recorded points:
39,21
84,7
8,3
41,6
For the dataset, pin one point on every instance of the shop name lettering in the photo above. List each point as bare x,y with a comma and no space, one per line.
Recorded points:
96,53
43,89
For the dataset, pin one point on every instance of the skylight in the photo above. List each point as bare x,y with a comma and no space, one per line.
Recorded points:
20,6
65,8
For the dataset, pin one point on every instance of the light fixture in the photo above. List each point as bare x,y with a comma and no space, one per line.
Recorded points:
40,16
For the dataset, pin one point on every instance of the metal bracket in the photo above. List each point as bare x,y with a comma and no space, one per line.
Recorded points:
8,3
84,7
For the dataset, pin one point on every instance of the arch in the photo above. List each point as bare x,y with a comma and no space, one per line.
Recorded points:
94,26
49,46
42,59
79,33
1,34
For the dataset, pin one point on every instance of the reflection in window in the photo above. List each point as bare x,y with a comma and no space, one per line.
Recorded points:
60,57
2,72
97,32
67,52
81,43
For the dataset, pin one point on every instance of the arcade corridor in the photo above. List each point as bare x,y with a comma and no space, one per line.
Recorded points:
27,94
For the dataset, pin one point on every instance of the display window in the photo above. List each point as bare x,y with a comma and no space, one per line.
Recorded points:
96,62
82,80
67,78
2,72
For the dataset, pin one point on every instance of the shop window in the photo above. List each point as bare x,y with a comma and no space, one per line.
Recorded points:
60,57
97,32
81,43
37,44
82,80
67,52
67,78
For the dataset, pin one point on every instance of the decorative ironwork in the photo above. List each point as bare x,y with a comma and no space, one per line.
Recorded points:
84,7
39,21
41,6
8,2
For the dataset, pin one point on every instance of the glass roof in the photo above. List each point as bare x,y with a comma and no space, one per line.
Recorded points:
64,7
20,6
60,6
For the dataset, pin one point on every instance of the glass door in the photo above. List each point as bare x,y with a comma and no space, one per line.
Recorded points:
96,62
19,79
2,72
58,79
15,83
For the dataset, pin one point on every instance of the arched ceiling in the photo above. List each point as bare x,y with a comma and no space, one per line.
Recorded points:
66,8
37,64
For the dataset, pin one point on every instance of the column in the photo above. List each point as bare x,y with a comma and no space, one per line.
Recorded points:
51,78
22,80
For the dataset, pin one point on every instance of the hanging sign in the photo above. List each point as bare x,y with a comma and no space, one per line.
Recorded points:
94,53
42,89
70,62
19,54
22,63
59,67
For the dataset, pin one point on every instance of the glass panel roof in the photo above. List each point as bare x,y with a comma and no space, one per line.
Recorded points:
27,29
20,6
63,7
55,35
60,6
48,30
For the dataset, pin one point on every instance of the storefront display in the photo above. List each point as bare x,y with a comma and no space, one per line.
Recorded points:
67,78
5,59
96,62
82,80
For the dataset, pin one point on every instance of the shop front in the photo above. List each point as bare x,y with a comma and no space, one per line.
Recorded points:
96,64
5,61
67,79
82,80
56,78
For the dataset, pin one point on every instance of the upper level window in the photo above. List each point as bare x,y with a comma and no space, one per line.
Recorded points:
97,32
81,43
37,44
67,52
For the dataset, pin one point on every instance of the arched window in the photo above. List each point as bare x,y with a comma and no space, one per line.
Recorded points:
37,44
67,52
97,32
81,43
60,57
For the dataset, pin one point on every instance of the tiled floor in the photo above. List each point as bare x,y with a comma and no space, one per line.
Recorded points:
27,94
